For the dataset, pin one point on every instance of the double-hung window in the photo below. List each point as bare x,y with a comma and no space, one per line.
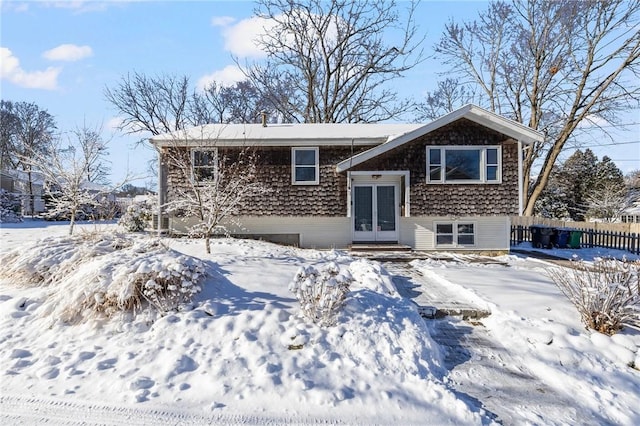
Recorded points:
454,234
305,166
204,164
464,164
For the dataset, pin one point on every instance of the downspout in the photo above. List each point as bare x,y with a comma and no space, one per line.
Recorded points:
520,179
349,194
161,195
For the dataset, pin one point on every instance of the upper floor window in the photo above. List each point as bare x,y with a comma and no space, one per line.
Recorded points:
464,164
204,164
305,166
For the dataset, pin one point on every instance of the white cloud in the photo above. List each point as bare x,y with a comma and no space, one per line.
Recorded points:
114,123
222,21
68,52
227,76
240,39
82,6
593,121
10,70
13,6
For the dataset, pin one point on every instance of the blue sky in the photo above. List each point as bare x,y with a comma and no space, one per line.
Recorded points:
62,54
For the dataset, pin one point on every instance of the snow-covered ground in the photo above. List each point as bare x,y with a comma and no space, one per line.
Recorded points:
242,354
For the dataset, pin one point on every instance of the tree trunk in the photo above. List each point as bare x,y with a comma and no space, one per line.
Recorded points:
72,221
31,198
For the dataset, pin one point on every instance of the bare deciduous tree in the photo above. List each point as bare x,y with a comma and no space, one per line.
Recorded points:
8,130
215,184
165,104
238,103
67,169
550,65
449,95
151,104
334,58
27,129
607,202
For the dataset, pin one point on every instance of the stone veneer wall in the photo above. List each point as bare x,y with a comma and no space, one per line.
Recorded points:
455,199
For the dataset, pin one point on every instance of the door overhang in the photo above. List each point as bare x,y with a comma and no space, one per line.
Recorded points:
374,176
378,187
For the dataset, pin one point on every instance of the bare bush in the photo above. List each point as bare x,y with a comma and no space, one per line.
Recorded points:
606,293
321,293
98,275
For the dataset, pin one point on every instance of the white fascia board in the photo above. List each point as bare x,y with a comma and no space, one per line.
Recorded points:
471,112
266,142
503,125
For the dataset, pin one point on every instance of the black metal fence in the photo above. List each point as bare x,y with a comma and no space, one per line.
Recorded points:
629,241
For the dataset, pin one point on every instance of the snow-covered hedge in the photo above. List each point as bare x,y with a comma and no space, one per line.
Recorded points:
606,293
9,207
138,216
101,274
321,293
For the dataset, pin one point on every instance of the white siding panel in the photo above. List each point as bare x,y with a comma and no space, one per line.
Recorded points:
417,232
315,232
492,232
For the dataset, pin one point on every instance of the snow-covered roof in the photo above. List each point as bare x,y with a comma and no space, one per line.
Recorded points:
316,134
93,186
632,210
386,136
19,175
470,112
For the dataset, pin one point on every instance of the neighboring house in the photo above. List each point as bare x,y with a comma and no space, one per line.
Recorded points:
450,184
631,214
17,182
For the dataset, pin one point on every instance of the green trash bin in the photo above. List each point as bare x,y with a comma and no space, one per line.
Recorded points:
574,239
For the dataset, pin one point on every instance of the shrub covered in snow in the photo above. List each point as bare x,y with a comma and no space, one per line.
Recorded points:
137,216
321,293
9,207
606,293
102,274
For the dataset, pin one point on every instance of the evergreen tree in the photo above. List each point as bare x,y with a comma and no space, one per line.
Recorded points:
584,187
577,177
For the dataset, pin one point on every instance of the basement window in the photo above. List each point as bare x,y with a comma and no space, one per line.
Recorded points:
454,234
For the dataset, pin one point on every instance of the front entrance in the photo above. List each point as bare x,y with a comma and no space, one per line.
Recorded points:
375,212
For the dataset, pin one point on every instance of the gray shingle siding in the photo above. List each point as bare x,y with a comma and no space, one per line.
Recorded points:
455,199
329,198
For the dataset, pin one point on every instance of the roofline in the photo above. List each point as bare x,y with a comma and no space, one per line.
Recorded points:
163,143
286,135
470,112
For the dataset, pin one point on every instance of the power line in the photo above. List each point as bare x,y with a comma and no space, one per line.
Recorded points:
603,144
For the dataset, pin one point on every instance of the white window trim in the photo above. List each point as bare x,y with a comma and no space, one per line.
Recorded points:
293,165
454,226
483,164
193,163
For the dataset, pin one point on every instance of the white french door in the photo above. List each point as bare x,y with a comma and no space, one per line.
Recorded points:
375,212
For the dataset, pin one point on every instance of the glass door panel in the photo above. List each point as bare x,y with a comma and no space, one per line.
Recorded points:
386,203
375,212
363,209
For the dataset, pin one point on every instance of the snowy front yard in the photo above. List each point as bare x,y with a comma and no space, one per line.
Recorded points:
241,353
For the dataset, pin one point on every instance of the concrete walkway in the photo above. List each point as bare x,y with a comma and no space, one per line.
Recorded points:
432,298
481,370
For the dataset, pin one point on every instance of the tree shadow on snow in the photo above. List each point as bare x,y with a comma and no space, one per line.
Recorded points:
222,297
